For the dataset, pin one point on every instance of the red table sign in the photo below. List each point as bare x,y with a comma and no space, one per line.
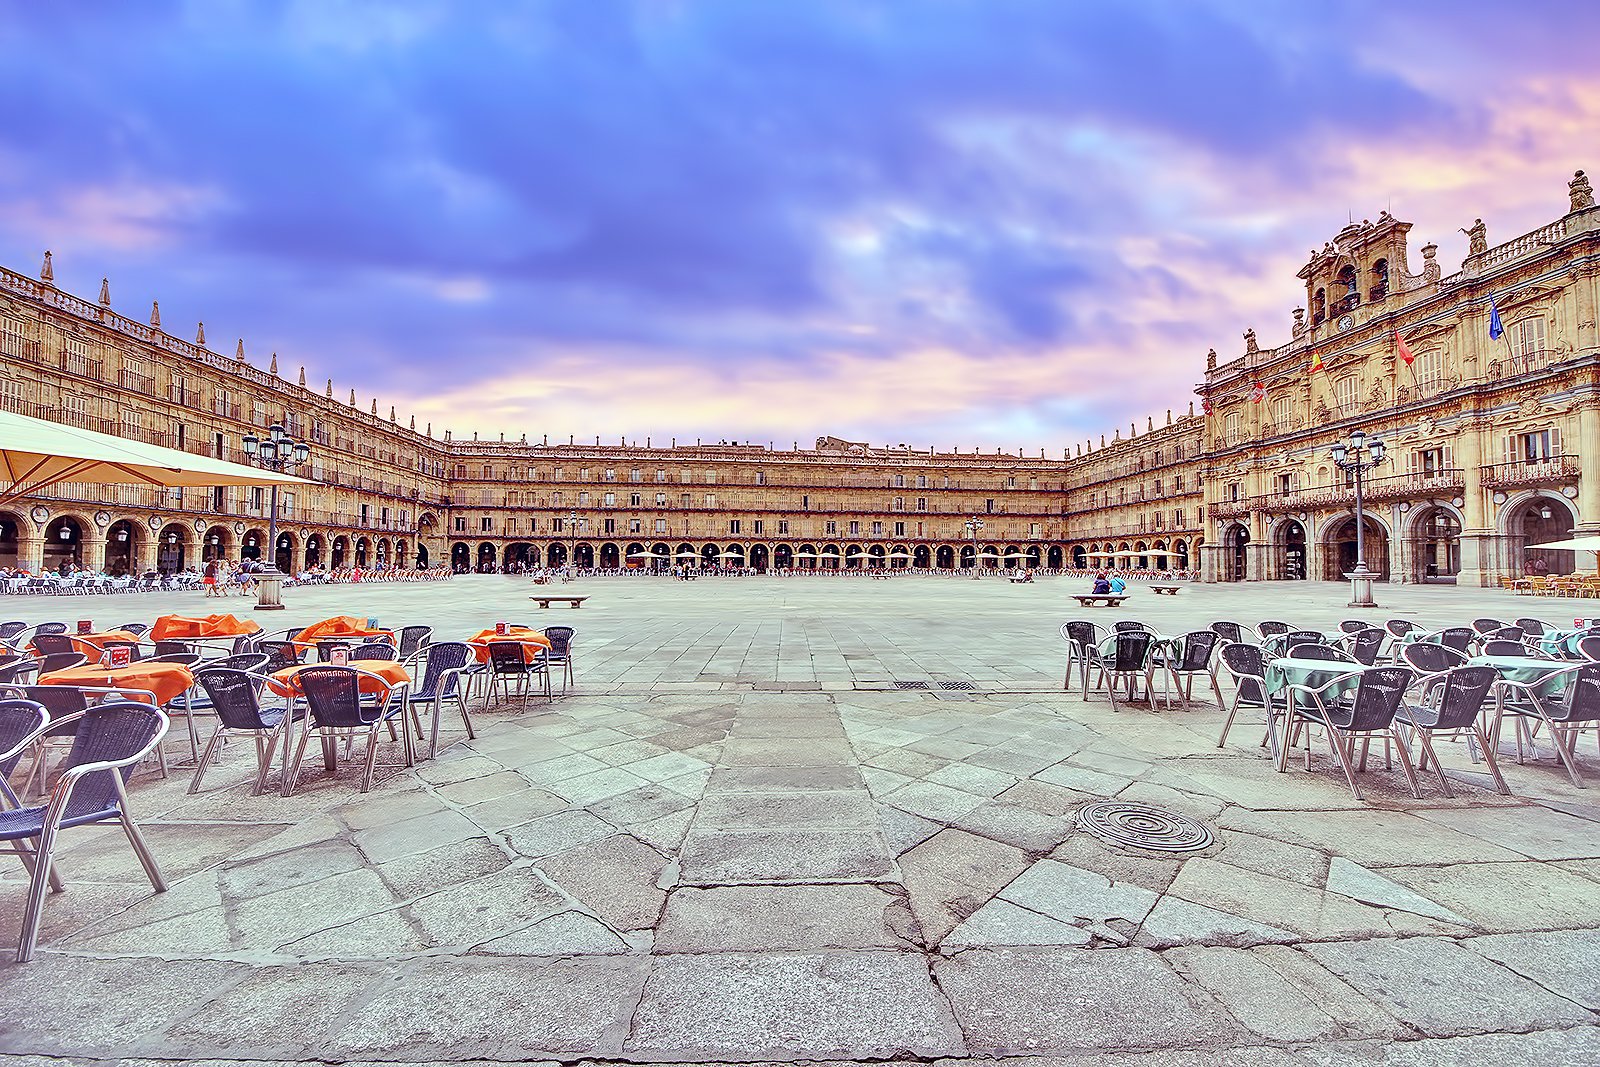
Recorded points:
86,626
120,656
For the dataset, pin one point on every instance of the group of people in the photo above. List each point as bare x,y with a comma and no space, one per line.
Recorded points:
222,577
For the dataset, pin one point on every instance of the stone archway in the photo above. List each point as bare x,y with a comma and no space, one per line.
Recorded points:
1535,519
1339,545
486,557
1235,542
284,555
945,557
460,557
122,547
63,542
172,548
1290,537
1433,543
217,543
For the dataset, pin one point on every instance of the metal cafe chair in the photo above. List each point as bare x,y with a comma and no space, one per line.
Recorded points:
1452,702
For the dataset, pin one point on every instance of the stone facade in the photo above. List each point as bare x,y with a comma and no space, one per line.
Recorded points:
1484,438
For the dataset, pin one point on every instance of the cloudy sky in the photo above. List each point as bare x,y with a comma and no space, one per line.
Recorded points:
952,222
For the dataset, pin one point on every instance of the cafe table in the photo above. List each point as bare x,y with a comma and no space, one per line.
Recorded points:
184,627
531,640
1275,644
165,681
99,638
389,675
1528,670
1564,642
1285,671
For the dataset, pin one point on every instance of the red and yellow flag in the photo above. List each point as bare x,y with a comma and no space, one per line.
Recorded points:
1316,364
1401,350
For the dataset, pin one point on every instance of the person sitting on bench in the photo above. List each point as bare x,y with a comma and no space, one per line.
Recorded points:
1118,585
1101,586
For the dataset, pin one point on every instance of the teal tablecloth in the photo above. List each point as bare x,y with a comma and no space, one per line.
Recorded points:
1285,671
1527,670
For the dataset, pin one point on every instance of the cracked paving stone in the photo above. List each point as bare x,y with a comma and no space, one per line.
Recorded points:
757,918
735,856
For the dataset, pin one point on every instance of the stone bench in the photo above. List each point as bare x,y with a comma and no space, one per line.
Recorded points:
1110,600
546,601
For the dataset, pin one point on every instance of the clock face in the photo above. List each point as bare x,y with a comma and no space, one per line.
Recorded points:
1346,321
40,513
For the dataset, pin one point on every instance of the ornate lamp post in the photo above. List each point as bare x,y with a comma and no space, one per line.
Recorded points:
975,524
572,554
281,453
1357,457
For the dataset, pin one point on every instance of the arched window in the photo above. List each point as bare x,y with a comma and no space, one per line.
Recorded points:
1350,288
1380,280
1319,307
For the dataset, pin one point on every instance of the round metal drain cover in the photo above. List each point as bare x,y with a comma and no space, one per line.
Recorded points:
1141,826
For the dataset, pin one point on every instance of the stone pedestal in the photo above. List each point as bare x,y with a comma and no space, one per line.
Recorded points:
1361,580
269,590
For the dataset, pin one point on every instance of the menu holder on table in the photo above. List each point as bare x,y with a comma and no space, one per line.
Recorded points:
340,657
500,629
86,626
119,656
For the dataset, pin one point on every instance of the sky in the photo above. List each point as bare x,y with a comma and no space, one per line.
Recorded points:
987,224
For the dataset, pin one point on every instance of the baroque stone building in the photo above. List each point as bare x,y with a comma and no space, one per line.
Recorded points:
1484,438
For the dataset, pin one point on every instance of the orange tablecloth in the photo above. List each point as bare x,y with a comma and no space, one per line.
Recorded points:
168,681
98,640
531,641
282,682
177,627
340,626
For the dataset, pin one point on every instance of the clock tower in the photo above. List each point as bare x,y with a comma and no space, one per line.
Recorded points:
1363,265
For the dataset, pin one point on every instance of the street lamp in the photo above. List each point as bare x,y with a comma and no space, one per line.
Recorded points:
1357,457
974,524
572,556
280,453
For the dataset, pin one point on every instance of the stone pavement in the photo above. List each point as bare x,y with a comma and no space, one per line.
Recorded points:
737,840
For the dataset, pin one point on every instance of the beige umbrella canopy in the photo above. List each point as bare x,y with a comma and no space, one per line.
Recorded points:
805,555
36,454
1583,543
730,555
687,555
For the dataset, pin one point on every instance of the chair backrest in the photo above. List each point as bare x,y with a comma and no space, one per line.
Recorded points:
61,661
373,650
244,643
1484,626
187,659
1531,627
18,719
234,696
413,639
1366,644
438,658
135,652
325,649
281,655
171,647
1080,633
1245,665
1589,648
1425,657
8,630
114,731
1128,624
505,657
333,695
1271,627
1462,694
51,644
1506,633
1133,650
1318,650
1197,648
1302,637
1377,698
1352,626
1457,637
59,700
560,638
243,661
1399,627
19,672
1228,631
1581,701
1496,647
49,628
135,628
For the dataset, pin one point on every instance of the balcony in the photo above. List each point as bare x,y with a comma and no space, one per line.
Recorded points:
138,383
1531,472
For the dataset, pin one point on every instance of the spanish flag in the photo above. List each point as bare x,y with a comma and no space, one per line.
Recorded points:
1401,350
1316,364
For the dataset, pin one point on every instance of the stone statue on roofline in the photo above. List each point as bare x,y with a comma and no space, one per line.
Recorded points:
1477,238
1250,346
1581,191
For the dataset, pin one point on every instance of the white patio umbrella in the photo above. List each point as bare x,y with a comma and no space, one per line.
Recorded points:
1584,543
899,553
687,555
805,555
639,555
36,454
730,555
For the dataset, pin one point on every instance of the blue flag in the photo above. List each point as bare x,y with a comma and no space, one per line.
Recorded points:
1495,329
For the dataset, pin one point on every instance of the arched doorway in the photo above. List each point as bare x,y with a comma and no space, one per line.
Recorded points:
556,554
122,541
486,557
583,554
1537,520
877,557
1080,558
1053,558
1435,545
11,539
250,547
283,557
313,550
758,557
218,541
422,555
1292,547
805,556
1341,542
1181,550
708,556
340,554
945,557
363,551
1238,538
969,557
922,557
783,557
460,557
172,548
400,557
381,552
637,557
63,543
517,556
610,556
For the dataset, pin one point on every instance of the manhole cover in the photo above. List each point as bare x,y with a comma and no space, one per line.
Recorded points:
1141,826
911,685
956,685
